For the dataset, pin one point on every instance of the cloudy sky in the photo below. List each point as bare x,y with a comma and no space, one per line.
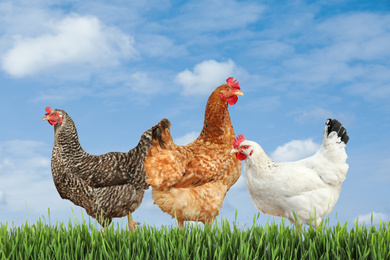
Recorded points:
119,68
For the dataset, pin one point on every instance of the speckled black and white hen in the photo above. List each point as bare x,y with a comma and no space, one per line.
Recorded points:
107,186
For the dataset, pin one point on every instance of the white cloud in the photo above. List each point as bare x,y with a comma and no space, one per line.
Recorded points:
186,139
75,40
295,150
206,76
376,218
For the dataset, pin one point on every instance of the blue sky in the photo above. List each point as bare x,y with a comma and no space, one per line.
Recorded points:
118,68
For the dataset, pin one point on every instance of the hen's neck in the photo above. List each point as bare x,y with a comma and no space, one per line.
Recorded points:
260,161
217,127
144,144
67,138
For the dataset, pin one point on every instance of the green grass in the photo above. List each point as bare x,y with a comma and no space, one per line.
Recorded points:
223,240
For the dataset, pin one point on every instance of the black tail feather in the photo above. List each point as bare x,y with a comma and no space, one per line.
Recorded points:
336,126
158,129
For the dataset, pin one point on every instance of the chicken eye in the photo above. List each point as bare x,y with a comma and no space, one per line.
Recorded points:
245,147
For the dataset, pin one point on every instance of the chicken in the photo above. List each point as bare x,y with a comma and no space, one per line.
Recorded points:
190,182
107,186
308,188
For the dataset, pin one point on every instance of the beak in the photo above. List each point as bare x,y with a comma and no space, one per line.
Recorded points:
234,150
239,93
45,118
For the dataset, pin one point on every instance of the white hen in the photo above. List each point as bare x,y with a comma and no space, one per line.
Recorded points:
309,187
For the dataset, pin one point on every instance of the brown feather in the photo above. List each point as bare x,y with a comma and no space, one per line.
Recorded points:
190,182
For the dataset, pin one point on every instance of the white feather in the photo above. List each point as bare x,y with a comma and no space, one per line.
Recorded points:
309,187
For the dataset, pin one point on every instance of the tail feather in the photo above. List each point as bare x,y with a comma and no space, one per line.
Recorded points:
333,125
159,133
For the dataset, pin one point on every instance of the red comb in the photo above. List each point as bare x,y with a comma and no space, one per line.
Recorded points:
239,139
233,83
48,110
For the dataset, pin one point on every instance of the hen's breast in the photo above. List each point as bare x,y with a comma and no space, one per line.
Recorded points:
215,162
67,183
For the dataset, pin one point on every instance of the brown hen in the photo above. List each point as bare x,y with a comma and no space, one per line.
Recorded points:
190,182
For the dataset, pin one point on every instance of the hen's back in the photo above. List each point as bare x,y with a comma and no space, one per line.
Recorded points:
330,160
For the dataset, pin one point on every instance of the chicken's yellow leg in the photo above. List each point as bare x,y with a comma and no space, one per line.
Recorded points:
104,227
131,223
181,223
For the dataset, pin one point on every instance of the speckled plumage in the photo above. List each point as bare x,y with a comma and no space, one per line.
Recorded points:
107,186
190,182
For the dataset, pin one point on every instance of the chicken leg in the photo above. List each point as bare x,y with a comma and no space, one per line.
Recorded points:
131,223
104,226
181,223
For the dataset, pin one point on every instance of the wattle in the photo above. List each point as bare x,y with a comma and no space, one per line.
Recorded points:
241,156
232,100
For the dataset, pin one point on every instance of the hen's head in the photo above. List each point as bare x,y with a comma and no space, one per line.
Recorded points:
230,91
242,148
53,116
